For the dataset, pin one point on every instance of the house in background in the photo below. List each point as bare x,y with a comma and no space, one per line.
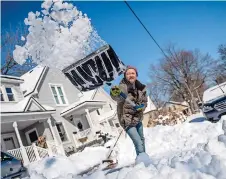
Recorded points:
43,102
148,111
78,114
23,119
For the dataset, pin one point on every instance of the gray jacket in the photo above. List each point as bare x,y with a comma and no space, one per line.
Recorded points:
138,94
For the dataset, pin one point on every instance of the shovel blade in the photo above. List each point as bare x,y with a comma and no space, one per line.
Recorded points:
98,68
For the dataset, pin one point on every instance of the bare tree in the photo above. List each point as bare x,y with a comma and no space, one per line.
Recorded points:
9,39
220,67
157,94
183,74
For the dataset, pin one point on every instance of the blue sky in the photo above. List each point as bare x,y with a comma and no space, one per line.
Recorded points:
189,25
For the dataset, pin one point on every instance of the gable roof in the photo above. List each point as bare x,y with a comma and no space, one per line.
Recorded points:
25,106
150,106
32,80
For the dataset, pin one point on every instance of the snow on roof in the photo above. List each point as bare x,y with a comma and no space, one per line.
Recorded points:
18,107
48,108
214,92
107,115
184,103
21,106
13,79
88,95
150,106
31,79
77,104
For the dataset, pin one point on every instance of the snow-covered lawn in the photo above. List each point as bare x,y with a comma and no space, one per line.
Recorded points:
184,151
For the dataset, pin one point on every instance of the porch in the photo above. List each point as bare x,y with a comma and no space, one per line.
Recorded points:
20,133
84,131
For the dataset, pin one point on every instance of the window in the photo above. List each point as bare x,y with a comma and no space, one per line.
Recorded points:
61,131
5,157
6,94
58,94
98,112
32,135
117,125
10,94
2,98
110,106
111,123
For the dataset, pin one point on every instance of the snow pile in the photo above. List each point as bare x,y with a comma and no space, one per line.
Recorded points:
63,167
188,151
57,36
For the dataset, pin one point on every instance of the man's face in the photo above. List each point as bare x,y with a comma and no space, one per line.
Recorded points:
131,75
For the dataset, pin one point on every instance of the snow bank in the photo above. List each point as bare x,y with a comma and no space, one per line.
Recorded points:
188,151
63,167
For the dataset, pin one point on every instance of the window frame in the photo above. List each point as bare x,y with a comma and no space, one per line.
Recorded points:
5,94
27,135
58,94
66,133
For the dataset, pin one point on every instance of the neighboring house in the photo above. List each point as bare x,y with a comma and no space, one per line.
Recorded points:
43,102
78,114
23,120
149,109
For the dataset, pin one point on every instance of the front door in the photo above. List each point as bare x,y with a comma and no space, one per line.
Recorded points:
9,143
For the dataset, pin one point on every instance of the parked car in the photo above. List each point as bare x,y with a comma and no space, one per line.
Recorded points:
11,167
214,102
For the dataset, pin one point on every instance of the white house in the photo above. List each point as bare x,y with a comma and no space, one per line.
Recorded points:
44,102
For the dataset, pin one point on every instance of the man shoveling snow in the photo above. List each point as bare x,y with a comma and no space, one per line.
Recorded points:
130,116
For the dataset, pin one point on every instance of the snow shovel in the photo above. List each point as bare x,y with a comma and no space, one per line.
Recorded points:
112,164
100,67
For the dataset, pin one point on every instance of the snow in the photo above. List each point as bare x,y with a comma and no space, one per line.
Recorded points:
15,107
88,95
188,151
150,106
31,79
107,115
214,93
20,106
58,36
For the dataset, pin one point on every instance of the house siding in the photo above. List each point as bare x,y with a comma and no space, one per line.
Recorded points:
15,89
42,129
45,97
102,95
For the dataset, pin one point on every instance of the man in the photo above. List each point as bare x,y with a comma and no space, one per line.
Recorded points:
130,118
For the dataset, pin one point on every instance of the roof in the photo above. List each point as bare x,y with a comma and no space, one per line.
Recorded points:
214,93
31,79
88,95
23,106
79,104
150,106
13,79
178,103
108,115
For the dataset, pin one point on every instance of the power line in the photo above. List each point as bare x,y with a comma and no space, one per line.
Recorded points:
145,28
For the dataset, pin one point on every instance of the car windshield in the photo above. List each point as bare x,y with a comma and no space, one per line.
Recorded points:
5,157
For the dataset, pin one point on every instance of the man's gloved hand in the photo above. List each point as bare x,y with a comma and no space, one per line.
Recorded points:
139,108
115,91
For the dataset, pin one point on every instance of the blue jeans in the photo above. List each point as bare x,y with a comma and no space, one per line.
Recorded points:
137,136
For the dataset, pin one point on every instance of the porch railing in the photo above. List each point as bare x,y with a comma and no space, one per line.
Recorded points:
84,133
33,153
53,148
16,153
42,152
30,153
